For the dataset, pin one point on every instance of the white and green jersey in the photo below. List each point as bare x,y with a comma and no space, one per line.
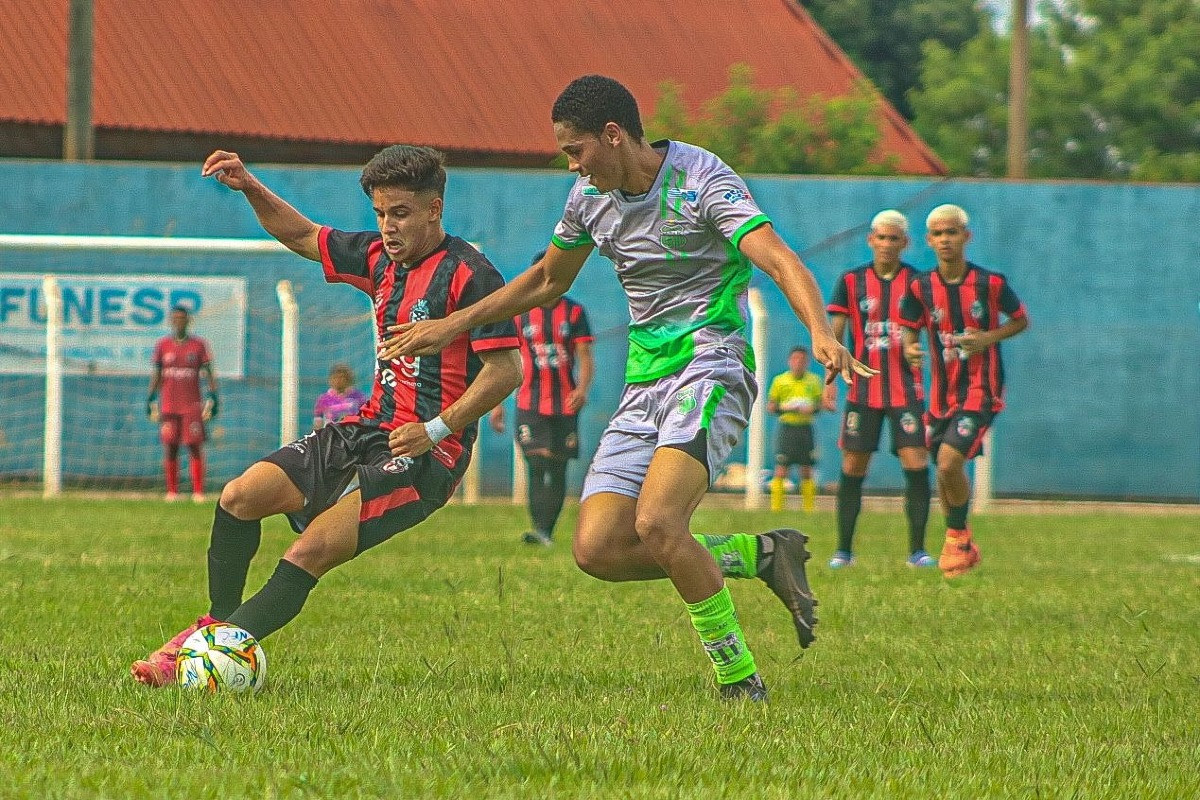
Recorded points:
675,250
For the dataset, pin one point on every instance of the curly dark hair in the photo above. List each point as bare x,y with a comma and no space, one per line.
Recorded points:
417,169
591,102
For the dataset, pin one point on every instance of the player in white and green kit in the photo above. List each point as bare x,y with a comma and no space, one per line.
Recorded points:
682,231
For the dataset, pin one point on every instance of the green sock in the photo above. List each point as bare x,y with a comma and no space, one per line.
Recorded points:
736,554
717,623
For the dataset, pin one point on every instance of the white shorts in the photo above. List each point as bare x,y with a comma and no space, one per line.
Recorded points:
712,394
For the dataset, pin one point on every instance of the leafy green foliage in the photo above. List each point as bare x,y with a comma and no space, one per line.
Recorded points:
1114,94
764,131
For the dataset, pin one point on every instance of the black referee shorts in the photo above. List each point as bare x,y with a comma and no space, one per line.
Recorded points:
397,493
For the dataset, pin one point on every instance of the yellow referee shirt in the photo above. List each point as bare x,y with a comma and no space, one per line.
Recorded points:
786,390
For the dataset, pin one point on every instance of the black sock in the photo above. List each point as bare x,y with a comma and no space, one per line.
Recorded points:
556,492
956,516
916,506
233,545
849,503
277,602
538,467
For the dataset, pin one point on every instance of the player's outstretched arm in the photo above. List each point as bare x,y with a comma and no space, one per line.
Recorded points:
294,230
499,376
764,247
542,283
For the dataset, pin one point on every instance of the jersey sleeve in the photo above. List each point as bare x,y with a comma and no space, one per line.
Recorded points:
1010,304
570,231
348,257
839,302
494,335
581,331
726,204
912,310
157,358
205,354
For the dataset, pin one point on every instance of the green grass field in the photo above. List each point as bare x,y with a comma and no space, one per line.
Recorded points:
456,662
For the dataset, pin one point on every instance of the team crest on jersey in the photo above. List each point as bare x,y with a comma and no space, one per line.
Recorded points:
966,427
419,311
868,304
530,330
736,196
908,422
977,310
853,421
937,315
397,465
686,400
564,329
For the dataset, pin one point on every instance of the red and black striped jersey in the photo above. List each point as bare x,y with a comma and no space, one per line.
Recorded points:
959,382
549,337
871,305
419,388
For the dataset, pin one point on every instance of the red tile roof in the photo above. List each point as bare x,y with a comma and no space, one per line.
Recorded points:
463,75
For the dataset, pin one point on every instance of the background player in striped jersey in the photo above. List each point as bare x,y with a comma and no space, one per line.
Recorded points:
682,231
178,362
354,484
966,311
866,300
795,396
554,339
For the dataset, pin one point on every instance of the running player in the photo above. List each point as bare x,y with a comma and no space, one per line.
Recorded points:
178,362
682,231
554,339
355,483
960,306
867,300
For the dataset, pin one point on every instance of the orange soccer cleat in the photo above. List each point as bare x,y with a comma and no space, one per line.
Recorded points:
960,554
158,668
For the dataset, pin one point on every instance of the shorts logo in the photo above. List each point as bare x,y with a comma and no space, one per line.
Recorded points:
300,445
524,434
397,465
966,427
853,420
686,400
908,422
572,441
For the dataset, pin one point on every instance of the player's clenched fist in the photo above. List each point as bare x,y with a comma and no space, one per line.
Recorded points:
410,439
228,169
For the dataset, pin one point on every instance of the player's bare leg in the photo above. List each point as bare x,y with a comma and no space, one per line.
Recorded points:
262,490
960,553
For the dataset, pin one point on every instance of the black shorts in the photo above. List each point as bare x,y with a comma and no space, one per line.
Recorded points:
794,445
396,493
556,433
862,426
962,430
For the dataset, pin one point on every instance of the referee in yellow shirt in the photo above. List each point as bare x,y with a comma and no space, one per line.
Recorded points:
795,396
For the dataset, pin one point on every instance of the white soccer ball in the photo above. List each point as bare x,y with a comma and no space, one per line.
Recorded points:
221,657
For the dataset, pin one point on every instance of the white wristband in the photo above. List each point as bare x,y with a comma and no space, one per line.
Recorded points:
437,430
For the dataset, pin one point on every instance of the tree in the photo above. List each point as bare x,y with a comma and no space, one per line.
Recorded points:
759,130
884,38
1114,94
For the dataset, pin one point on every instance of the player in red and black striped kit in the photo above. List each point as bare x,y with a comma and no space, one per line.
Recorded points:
966,311
867,301
554,340
354,484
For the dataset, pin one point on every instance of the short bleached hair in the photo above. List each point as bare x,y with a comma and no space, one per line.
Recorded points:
890,217
948,211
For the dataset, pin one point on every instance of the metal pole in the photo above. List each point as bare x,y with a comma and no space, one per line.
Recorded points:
756,434
79,140
53,426
289,371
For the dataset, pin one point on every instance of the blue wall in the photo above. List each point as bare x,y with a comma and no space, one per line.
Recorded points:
1102,389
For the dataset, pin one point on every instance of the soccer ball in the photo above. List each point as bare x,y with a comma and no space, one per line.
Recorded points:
221,657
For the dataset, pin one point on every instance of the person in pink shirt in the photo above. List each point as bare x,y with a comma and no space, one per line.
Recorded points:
180,412
340,400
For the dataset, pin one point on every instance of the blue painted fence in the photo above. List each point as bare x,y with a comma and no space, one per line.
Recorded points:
1103,388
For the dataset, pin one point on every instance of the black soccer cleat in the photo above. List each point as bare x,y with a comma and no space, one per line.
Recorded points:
752,689
785,577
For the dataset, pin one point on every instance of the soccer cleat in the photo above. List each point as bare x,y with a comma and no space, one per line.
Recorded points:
752,689
921,559
960,554
786,578
538,537
171,497
842,558
197,497
158,668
